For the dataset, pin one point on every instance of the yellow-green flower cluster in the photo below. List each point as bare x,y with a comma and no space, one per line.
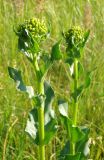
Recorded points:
36,28
74,36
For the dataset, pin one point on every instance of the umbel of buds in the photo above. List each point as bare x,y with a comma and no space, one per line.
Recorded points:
35,27
30,35
74,36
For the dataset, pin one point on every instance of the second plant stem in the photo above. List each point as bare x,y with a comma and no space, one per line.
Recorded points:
75,89
75,108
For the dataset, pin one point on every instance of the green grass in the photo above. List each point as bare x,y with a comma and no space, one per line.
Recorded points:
14,106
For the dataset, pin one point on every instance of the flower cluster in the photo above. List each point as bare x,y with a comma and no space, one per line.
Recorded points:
35,27
74,36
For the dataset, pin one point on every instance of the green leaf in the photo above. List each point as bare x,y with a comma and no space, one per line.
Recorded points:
16,76
66,121
76,134
39,99
86,36
25,41
50,118
63,108
76,52
83,145
80,69
49,94
77,156
70,61
32,124
77,93
73,157
65,150
50,130
46,65
56,53
28,45
87,80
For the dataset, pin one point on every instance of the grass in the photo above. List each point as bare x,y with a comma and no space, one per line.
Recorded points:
14,106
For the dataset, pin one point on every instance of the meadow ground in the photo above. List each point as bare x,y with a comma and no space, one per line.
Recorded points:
14,106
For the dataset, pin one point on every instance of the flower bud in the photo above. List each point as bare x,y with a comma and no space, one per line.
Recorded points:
74,36
36,28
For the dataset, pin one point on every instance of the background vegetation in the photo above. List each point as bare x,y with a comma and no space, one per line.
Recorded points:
14,106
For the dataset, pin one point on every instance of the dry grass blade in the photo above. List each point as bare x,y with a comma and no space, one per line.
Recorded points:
6,138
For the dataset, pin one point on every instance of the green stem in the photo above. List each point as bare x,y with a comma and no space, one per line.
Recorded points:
41,125
75,88
75,109
40,112
37,69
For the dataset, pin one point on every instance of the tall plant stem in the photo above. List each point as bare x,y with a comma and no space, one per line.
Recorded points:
41,125
75,88
75,108
40,113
